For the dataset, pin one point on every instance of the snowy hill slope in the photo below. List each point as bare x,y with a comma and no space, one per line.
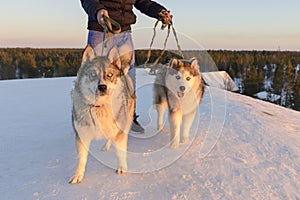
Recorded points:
256,153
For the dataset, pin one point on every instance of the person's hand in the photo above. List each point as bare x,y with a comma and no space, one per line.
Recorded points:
100,14
165,17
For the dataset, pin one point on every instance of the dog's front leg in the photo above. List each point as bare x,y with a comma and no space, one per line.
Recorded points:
106,147
186,126
160,108
121,151
175,118
83,145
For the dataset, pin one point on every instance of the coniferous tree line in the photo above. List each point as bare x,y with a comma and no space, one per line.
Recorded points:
275,72
17,63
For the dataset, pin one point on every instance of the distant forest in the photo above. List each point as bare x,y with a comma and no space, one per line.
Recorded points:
273,72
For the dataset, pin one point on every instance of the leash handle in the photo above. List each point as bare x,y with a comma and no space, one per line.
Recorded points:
162,15
109,23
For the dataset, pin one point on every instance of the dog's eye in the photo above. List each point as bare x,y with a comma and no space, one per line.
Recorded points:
188,78
93,74
109,75
177,77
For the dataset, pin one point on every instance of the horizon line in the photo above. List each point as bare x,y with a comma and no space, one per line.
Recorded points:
209,49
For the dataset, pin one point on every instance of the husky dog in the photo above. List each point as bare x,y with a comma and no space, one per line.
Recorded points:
103,105
178,86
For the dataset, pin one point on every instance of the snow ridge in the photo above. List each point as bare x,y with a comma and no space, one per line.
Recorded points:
255,156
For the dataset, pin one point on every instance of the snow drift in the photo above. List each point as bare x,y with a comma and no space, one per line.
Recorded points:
252,149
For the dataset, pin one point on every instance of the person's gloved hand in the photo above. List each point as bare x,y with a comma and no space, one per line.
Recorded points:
165,17
100,14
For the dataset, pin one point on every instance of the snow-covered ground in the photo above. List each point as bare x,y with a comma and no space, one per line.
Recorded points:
241,148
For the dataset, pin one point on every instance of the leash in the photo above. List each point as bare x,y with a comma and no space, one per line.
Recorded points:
170,25
108,30
131,95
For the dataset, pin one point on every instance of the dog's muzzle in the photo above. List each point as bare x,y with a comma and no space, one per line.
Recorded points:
182,88
180,94
102,88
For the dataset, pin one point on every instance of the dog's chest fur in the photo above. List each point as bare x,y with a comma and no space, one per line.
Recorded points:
105,121
187,104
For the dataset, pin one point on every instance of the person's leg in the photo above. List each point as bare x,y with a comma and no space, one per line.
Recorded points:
95,39
126,39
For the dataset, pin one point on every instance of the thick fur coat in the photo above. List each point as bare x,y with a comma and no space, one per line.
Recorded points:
178,87
103,105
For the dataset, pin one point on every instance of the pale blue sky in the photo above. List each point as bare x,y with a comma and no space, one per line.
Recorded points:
214,24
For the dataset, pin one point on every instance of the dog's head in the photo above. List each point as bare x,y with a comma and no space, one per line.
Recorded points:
182,75
98,76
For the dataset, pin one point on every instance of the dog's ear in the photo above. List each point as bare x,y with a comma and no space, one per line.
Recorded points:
174,62
89,54
114,57
195,67
194,63
174,66
126,54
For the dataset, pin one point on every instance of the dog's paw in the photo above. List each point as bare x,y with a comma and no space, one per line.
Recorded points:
160,128
184,140
174,146
121,170
105,148
174,109
107,145
77,178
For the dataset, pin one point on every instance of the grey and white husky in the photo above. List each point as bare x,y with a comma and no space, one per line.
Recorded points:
103,105
178,87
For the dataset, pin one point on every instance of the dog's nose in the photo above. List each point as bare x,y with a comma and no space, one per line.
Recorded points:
182,88
102,87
